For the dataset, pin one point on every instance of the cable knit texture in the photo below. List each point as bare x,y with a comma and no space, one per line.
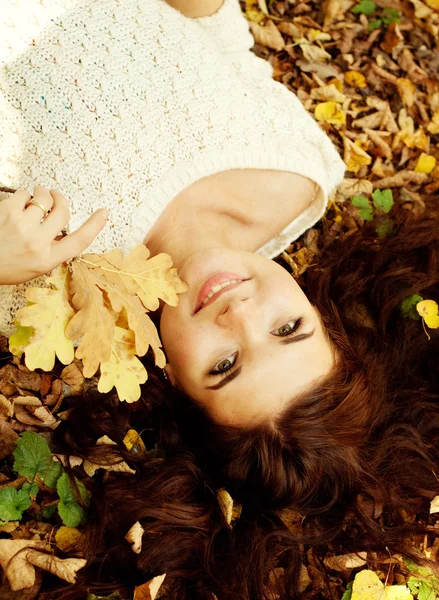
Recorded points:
124,103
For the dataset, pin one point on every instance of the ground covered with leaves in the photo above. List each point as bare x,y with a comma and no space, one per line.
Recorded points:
368,72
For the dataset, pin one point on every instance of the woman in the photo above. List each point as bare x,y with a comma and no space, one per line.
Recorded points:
114,116
286,429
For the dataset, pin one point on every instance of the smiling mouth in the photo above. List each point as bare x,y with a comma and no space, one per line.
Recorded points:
215,287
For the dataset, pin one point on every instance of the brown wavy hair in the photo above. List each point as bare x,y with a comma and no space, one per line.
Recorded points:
368,435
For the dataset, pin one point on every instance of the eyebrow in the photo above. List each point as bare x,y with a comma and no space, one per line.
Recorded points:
236,372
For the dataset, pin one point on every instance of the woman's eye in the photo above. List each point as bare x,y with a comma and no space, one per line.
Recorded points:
288,328
224,365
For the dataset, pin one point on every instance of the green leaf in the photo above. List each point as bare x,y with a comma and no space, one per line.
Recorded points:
391,15
366,7
408,310
360,202
48,512
426,589
366,214
12,504
375,24
385,228
30,488
113,596
383,200
348,593
53,473
20,339
69,509
33,457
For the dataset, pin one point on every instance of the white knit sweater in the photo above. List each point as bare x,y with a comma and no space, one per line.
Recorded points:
124,103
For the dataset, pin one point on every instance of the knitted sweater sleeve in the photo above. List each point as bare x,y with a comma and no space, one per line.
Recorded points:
229,30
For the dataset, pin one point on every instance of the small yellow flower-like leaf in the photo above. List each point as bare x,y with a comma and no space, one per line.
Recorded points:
124,371
49,314
433,127
425,164
330,112
355,79
133,442
428,309
434,4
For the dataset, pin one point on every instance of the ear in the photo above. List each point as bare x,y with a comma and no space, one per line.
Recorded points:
170,374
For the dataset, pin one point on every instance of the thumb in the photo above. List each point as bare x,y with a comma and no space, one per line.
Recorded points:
75,243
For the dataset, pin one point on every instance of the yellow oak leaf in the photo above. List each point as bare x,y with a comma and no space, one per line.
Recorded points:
48,313
428,309
151,279
367,586
138,321
425,163
93,322
330,112
355,79
123,370
230,510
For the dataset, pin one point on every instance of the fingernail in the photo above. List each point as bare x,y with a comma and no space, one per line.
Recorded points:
104,213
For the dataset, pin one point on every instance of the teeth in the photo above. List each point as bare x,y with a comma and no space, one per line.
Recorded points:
217,288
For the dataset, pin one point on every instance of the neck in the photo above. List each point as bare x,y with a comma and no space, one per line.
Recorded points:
199,223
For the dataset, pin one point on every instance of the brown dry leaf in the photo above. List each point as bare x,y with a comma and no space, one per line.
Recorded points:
134,537
90,467
149,590
8,439
13,560
64,568
37,417
304,579
321,69
433,126
92,323
49,315
68,539
372,121
312,52
354,156
328,92
267,35
401,179
383,147
346,561
72,375
392,39
434,505
230,510
352,187
6,408
406,90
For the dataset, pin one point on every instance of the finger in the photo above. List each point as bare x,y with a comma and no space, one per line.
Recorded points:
43,197
75,243
59,216
18,199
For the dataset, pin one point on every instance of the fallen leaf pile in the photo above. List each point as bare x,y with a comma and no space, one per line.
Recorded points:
367,71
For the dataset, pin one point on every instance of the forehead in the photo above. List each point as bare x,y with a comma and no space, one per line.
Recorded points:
269,382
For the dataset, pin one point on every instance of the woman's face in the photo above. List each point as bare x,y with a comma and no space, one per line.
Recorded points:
263,336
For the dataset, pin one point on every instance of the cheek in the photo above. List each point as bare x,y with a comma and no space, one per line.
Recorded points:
180,341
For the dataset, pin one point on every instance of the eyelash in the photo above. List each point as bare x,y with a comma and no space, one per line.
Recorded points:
297,326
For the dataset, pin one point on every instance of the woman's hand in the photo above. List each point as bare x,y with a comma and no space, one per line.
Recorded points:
30,228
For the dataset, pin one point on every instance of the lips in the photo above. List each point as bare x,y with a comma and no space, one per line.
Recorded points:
213,281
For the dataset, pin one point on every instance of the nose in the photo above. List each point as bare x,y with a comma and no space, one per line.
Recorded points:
239,311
